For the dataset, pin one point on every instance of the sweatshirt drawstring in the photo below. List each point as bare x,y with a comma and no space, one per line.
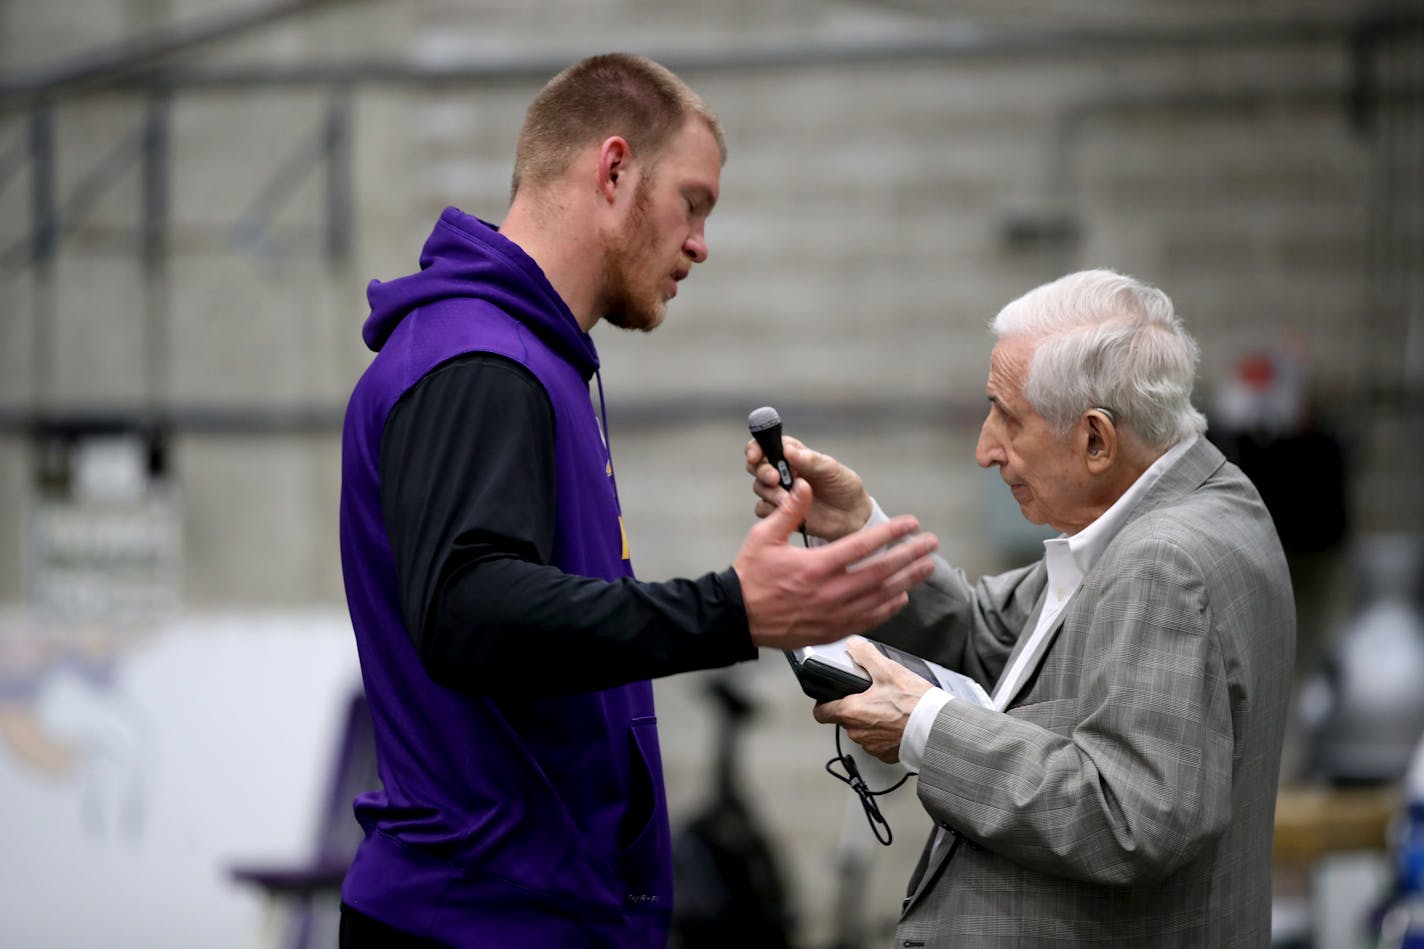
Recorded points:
607,443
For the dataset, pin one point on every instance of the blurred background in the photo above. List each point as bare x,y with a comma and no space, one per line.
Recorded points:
194,194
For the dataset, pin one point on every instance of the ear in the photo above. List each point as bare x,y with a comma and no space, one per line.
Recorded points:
1101,441
614,162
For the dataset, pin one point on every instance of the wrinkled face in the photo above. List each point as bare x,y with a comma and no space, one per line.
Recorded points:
662,235
1043,471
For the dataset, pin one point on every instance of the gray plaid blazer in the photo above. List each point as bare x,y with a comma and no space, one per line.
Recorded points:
1127,795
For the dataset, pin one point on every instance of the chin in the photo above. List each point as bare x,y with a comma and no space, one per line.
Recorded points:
1032,516
640,318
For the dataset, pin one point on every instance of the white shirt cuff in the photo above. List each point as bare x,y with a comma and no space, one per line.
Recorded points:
877,516
941,568
917,729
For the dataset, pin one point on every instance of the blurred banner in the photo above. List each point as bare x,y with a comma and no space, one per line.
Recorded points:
137,766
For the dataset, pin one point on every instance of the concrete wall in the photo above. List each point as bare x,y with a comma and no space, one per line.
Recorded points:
861,243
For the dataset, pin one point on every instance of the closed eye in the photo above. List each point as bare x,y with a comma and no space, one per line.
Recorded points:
997,408
699,202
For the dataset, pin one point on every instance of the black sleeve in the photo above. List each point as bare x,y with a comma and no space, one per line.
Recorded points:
468,494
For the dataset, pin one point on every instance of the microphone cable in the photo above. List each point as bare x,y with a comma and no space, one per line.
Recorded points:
862,790
765,426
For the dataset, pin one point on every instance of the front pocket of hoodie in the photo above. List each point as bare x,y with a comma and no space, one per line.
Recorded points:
644,852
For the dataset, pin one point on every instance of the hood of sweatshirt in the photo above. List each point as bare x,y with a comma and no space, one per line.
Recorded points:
465,257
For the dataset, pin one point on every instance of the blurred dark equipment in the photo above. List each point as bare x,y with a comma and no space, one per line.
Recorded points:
1364,714
303,900
1263,424
1264,420
729,890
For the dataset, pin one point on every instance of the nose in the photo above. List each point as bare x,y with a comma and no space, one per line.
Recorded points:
696,246
988,452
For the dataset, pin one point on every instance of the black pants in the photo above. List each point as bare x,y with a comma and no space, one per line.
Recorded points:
359,931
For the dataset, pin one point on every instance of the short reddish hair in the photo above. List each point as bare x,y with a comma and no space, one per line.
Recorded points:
611,94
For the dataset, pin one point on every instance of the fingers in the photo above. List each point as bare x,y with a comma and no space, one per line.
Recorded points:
869,658
902,579
766,485
804,461
880,667
754,456
874,590
828,712
871,611
788,514
867,609
798,456
892,571
864,543
766,481
873,545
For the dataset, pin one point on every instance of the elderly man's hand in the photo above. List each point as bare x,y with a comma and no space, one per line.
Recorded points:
876,718
841,502
798,597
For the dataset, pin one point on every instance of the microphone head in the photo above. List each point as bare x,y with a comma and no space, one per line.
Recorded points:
763,419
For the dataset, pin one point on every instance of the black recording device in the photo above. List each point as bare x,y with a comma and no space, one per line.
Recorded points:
827,673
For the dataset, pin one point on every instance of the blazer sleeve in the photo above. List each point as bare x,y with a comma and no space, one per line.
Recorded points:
1125,781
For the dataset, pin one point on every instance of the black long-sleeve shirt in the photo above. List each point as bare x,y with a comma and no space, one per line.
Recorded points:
468,496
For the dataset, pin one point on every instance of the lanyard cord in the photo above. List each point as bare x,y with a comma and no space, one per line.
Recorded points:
862,790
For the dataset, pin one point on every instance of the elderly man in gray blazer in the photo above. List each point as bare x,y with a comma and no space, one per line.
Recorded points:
1121,788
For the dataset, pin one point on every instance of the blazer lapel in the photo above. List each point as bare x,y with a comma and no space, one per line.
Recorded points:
931,865
933,860
1024,635
1035,658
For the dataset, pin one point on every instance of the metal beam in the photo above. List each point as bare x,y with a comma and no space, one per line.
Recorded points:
810,414
340,179
44,227
948,43
122,60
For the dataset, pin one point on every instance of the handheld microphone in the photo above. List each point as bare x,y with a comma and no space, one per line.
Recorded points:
765,426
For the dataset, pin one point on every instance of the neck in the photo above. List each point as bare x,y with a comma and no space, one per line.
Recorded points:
1133,459
546,227
1131,469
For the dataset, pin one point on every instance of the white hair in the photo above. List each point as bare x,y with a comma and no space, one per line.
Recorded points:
1106,340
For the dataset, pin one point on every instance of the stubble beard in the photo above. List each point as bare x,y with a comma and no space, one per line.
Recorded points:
625,257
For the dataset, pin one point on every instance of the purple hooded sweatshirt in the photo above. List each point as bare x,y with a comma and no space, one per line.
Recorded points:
503,821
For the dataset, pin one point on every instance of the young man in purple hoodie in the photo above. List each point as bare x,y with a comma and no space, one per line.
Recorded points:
505,646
